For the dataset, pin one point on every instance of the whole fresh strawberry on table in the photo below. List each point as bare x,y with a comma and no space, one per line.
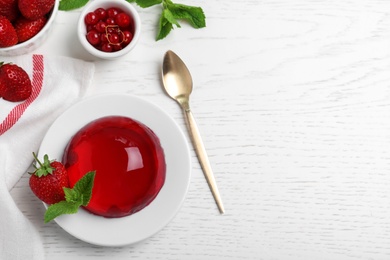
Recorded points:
15,84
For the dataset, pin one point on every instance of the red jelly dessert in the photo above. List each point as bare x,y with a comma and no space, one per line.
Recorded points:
129,163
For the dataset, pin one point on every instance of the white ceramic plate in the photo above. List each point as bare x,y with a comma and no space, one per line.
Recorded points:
145,223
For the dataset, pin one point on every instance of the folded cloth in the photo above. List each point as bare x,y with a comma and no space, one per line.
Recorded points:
58,82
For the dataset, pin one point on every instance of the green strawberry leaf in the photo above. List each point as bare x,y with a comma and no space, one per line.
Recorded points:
67,5
79,196
44,167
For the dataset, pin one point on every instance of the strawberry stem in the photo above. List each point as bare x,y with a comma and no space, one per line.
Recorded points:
34,155
45,167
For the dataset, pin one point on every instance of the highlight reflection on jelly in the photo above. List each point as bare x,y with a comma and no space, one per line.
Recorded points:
134,158
129,163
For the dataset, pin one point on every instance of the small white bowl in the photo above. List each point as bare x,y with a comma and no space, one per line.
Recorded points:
124,6
34,42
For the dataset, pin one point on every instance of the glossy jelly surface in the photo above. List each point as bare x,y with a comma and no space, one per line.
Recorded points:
128,160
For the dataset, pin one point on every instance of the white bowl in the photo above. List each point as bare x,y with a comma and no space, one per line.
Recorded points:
124,6
34,42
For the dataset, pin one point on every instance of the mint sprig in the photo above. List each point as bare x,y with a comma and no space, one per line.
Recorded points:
172,13
78,196
169,18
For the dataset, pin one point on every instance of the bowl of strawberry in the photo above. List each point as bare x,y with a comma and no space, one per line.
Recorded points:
25,24
109,29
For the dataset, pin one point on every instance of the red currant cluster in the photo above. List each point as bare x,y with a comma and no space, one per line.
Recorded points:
109,29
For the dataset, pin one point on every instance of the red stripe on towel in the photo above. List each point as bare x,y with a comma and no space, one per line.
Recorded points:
37,83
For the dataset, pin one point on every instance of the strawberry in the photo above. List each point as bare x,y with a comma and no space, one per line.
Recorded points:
34,9
15,84
26,29
9,9
8,35
48,181
3,89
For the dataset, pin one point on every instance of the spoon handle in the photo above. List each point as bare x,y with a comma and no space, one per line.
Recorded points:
203,159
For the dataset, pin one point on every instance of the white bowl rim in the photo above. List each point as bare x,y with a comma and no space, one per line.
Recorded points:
39,34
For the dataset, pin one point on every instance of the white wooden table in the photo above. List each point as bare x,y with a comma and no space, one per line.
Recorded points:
292,98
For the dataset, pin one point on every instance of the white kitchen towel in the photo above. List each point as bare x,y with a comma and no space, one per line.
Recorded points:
58,82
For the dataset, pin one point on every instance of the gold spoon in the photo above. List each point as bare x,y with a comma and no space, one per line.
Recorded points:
178,84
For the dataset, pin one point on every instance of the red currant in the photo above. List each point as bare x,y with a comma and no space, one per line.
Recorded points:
106,47
93,37
101,13
101,26
127,37
112,12
123,20
91,18
103,38
110,21
113,38
117,47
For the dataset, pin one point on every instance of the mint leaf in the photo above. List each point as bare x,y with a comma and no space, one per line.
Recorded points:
146,3
67,5
84,188
71,195
164,27
60,208
168,15
194,15
79,196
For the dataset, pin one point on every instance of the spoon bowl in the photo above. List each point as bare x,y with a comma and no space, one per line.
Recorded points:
177,82
176,78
